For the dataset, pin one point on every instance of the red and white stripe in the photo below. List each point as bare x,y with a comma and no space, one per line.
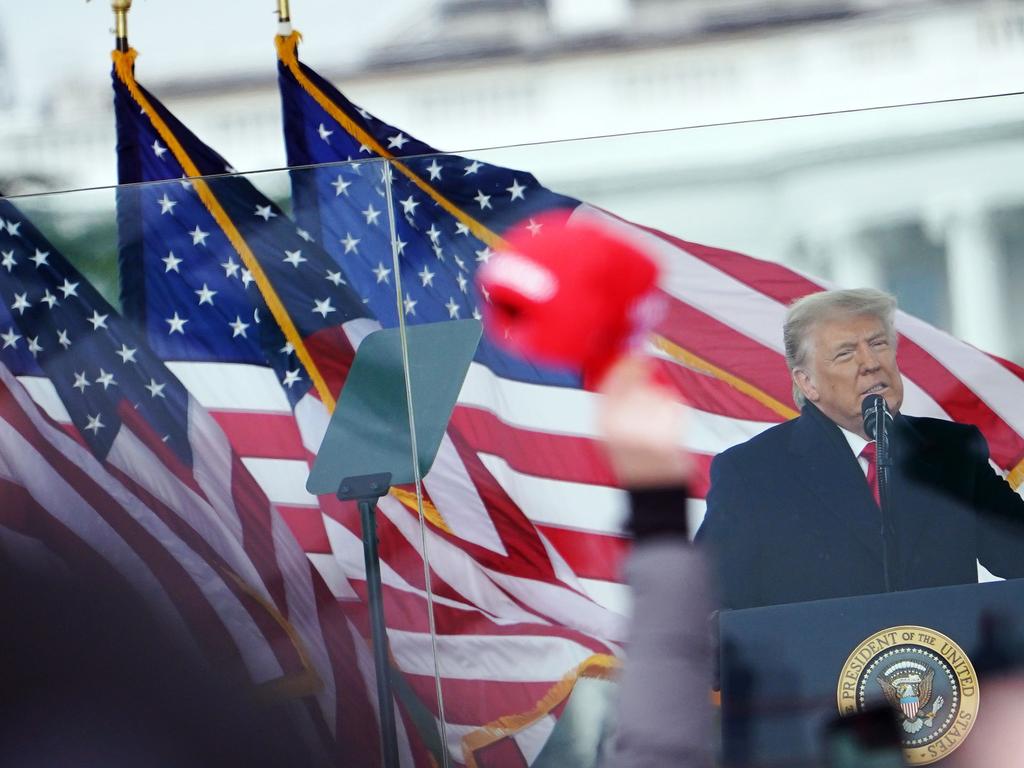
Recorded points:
529,569
230,535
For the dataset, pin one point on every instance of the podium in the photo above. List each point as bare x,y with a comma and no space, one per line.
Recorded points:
786,671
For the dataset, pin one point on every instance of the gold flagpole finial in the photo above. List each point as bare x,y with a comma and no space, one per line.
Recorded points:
121,8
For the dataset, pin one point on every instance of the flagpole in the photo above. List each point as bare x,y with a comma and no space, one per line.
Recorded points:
121,8
284,18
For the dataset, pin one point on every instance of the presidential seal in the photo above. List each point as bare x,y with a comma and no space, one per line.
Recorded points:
926,678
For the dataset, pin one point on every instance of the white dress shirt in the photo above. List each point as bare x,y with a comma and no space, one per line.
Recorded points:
857,444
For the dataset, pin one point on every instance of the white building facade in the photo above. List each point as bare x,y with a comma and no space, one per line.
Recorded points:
924,200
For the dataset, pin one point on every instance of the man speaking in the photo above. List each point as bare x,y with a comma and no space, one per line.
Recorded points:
793,514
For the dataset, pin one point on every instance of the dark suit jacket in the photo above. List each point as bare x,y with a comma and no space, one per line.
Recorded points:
790,516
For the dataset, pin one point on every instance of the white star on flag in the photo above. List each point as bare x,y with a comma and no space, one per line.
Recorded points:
21,303
323,307
126,353
265,212
10,338
198,236
205,295
409,205
340,185
167,205
238,327
230,267
350,243
98,321
371,214
516,190
171,262
177,324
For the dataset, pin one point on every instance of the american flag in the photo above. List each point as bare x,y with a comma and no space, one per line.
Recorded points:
173,491
529,433
721,339
260,324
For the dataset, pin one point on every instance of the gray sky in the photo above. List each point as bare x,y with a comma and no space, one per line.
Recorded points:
48,41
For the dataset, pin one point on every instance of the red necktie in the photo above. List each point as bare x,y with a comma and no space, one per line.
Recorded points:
869,452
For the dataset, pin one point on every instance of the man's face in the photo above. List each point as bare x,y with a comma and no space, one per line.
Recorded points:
850,357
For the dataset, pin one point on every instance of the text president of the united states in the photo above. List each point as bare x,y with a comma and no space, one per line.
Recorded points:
790,514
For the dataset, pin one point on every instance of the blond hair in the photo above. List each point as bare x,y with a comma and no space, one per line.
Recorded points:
805,314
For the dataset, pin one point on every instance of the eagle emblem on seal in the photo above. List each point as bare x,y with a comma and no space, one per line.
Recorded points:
907,686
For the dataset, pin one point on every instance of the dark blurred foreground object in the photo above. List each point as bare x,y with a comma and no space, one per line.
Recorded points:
664,716
576,293
88,677
868,739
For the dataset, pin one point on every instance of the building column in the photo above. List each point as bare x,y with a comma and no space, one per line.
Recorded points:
840,251
854,265
976,269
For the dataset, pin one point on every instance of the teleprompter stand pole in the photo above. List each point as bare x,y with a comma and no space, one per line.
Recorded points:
369,446
366,490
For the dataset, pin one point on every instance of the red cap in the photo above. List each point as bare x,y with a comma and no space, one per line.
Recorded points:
574,292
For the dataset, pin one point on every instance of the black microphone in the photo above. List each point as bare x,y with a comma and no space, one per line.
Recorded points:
877,416
877,420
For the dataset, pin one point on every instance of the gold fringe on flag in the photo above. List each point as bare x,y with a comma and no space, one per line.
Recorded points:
600,666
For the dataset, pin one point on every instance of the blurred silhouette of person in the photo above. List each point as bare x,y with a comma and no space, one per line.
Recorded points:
581,293
664,700
89,676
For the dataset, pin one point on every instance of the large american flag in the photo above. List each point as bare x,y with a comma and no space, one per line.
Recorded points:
528,434
260,324
209,542
721,339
